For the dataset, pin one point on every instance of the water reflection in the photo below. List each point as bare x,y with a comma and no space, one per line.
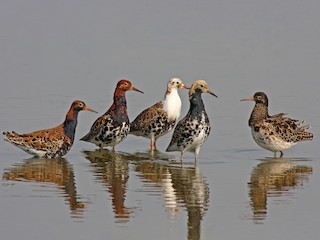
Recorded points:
57,171
111,168
181,187
274,178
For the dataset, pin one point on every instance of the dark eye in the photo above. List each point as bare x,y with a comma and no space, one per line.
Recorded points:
201,85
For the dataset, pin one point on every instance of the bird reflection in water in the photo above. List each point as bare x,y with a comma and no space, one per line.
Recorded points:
57,171
274,178
181,187
112,170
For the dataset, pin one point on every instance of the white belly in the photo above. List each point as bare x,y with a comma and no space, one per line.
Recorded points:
271,143
197,141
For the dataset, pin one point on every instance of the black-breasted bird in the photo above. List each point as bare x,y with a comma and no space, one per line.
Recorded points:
193,130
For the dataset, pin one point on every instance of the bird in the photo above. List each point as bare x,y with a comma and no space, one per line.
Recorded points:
193,130
160,118
275,133
112,127
53,142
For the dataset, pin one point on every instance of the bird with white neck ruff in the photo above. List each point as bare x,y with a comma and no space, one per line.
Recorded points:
160,118
193,130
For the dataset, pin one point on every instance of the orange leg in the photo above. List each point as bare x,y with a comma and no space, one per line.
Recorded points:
153,144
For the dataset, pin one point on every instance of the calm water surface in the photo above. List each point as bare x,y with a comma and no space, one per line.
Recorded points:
53,53
136,193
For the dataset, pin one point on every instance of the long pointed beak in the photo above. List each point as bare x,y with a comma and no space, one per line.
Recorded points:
184,86
247,99
89,109
135,89
211,93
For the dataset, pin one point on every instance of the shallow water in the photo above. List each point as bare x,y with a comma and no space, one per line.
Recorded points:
142,194
237,190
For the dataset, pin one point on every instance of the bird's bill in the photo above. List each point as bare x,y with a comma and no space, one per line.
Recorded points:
212,93
89,109
184,86
135,89
247,99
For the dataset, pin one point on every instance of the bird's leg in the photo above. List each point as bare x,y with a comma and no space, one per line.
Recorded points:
281,154
275,155
196,153
196,163
181,157
152,143
152,153
113,149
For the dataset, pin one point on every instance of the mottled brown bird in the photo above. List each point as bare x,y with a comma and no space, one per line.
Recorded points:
53,142
160,118
275,133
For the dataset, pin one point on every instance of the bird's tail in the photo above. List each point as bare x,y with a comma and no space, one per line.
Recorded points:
10,136
304,135
85,138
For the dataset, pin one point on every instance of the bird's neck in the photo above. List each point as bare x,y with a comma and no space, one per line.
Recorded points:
119,98
196,104
70,123
172,104
119,107
259,112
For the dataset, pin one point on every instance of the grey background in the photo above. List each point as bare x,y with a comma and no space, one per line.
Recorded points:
52,52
